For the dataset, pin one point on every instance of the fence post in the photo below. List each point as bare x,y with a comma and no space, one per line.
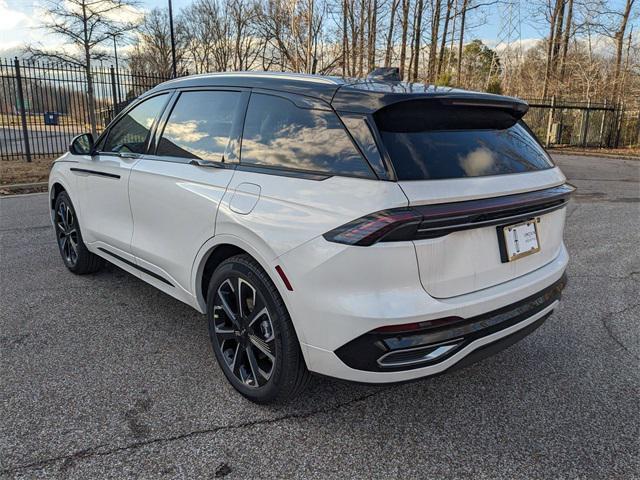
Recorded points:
23,113
114,92
602,122
550,121
585,124
638,127
619,124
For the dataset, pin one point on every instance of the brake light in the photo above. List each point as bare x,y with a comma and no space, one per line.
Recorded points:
367,230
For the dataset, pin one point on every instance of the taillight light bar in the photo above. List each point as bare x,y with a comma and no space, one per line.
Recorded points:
431,221
367,230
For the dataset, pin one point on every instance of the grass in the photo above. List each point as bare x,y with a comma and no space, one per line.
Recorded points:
19,171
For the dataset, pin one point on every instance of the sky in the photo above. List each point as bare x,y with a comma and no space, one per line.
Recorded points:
18,23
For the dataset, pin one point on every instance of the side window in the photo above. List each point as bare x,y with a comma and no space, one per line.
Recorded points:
279,134
130,133
200,125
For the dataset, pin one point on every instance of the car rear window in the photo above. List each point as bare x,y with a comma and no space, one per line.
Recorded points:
437,143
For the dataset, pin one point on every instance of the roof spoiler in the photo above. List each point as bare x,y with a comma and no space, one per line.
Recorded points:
516,107
450,112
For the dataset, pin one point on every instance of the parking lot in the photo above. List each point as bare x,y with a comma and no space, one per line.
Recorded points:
104,377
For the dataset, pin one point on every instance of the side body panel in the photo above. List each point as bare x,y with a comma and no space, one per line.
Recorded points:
291,211
174,209
104,198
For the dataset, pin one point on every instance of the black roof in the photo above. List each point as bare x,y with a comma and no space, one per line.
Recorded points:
343,93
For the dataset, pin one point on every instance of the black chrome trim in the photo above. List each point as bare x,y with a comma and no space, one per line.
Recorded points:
94,172
285,172
138,267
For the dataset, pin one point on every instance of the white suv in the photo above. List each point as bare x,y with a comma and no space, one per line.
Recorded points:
369,230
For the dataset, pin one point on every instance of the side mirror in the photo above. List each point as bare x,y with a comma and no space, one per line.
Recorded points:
82,144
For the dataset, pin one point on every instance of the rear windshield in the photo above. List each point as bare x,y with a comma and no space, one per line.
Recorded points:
428,149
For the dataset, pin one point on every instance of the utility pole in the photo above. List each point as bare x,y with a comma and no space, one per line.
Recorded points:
116,97
115,48
173,41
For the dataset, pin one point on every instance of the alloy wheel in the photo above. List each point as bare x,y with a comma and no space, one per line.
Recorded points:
67,233
244,331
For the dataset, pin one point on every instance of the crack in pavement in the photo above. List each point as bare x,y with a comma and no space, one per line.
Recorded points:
95,451
608,277
610,332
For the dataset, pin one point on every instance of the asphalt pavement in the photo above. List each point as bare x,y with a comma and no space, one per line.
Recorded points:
43,140
102,376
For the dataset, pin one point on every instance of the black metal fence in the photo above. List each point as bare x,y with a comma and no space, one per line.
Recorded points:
44,105
561,122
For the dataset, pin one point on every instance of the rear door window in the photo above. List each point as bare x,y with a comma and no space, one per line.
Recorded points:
279,134
200,125
425,143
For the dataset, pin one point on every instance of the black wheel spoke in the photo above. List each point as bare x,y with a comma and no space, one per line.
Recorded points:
237,364
62,216
258,379
225,335
259,311
224,303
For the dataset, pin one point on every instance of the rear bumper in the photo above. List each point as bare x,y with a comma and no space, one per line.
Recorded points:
379,351
478,305
332,366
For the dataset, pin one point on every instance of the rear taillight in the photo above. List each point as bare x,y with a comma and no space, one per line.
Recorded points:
367,230
437,220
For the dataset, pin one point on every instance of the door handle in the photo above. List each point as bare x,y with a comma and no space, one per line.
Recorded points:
129,155
204,163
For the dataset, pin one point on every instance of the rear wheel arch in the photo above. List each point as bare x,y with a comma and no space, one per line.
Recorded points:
212,259
216,251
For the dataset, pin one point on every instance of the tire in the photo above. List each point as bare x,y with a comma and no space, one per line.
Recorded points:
252,335
74,252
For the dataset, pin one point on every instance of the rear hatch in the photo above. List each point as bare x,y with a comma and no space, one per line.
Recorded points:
470,167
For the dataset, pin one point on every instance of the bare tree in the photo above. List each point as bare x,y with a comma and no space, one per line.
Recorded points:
389,47
618,36
433,46
463,18
445,31
152,47
417,39
84,24
405,28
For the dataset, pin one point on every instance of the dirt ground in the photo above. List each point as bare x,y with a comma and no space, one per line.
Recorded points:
20,171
